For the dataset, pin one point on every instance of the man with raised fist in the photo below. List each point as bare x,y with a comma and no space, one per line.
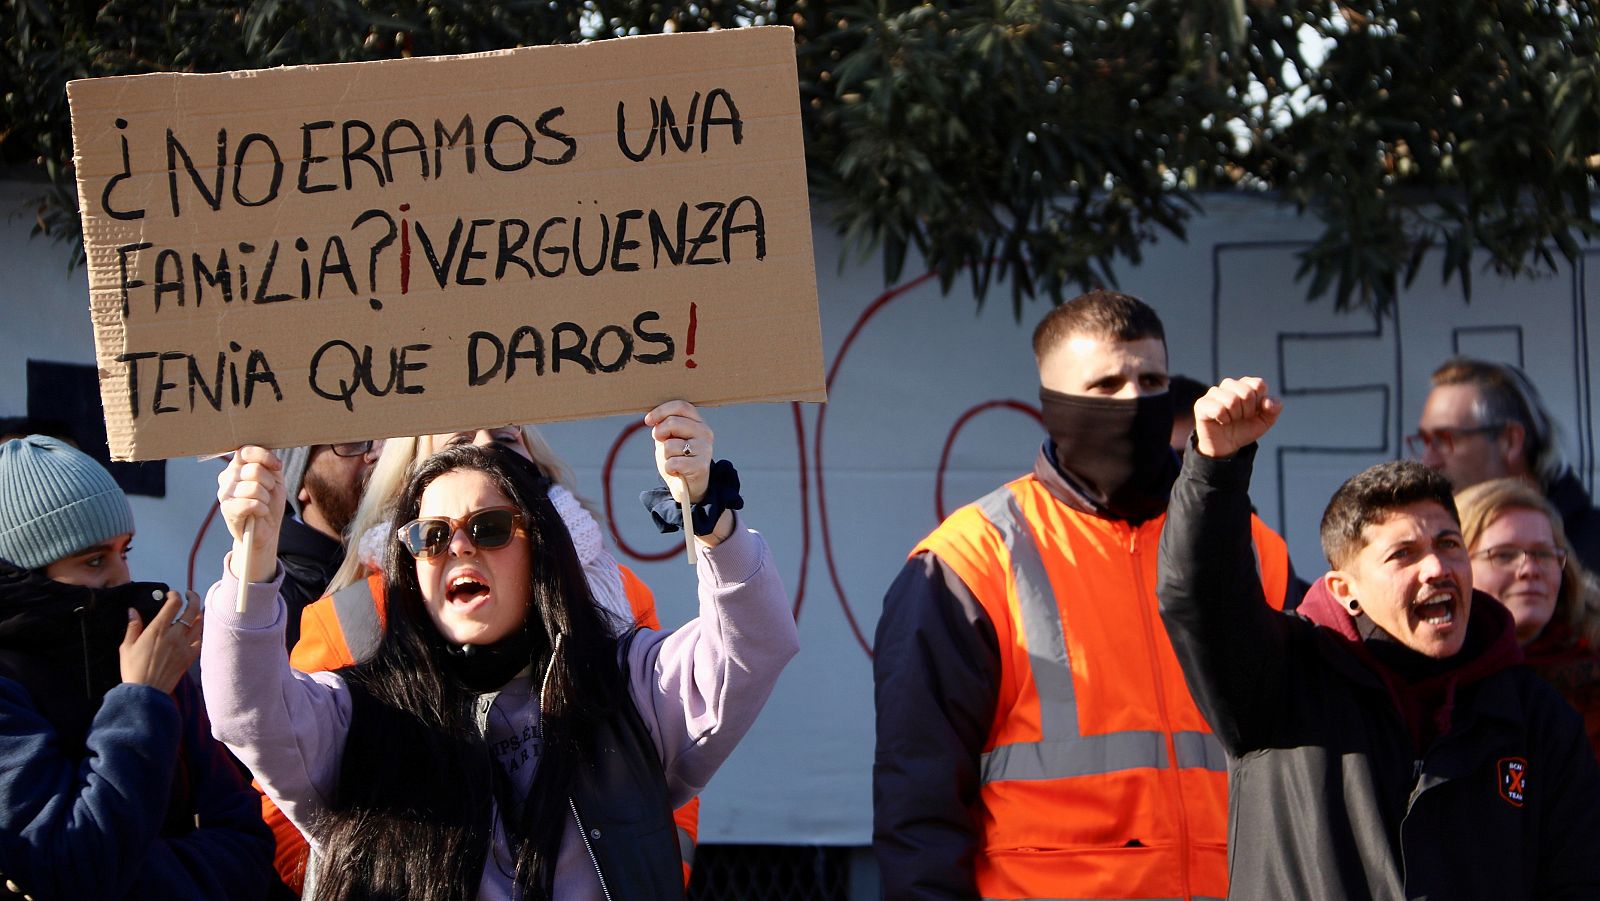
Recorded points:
1035,737
1383,743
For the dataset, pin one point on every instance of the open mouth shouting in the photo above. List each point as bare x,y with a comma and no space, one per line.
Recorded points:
473,566
467,588
1437,607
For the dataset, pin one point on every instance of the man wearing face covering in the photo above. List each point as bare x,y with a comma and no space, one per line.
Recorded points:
1035,735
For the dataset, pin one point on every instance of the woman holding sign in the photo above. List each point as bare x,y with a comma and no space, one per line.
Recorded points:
343,628
502,741
333,636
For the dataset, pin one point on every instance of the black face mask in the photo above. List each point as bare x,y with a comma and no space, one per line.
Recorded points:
40,613
60,641
1115,451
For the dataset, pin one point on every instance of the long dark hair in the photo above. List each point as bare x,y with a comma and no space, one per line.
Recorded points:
411,674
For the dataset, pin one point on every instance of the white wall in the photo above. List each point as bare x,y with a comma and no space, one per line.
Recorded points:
919,362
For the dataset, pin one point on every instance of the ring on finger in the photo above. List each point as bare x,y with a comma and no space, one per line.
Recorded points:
688,450
186,623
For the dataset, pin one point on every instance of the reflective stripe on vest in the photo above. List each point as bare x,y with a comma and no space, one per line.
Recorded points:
1089,755
1061,751
686,846
1200,750
357,613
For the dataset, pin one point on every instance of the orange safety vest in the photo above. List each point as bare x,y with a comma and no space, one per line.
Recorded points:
339,628
1100,778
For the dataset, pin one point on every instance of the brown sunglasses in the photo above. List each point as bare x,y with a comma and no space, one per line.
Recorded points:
489,528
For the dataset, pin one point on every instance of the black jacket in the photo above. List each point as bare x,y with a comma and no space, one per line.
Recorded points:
619,796
309,560
1329,799
1578,517
111,790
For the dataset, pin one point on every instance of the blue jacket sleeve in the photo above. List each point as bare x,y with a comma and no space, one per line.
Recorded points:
229,853
936,667
75,828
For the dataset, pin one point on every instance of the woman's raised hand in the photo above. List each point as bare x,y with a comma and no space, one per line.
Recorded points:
159,652
250,492
683,445
683,451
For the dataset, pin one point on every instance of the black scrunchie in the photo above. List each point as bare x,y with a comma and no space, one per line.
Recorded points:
722,493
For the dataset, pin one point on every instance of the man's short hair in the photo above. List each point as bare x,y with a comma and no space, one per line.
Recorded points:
1505,395
1370,496
1098,314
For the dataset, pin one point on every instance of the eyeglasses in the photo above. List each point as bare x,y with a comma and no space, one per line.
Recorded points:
488,528
1509,556
351,448
1444,440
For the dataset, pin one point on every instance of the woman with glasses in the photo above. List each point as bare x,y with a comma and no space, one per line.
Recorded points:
343,627
503,741
1520,556
617,589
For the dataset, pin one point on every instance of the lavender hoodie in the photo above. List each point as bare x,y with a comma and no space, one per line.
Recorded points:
698,689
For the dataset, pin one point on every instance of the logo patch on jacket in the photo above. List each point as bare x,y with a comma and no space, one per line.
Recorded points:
1513,780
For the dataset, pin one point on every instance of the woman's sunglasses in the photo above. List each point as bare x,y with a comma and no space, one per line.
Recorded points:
488,528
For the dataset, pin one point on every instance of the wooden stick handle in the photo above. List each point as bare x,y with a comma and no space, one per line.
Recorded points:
680,493
244,565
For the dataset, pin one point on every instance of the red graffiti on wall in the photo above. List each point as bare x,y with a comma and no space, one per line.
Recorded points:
818,472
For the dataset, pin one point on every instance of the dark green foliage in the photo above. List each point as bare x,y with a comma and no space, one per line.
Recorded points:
1040,142
1434,125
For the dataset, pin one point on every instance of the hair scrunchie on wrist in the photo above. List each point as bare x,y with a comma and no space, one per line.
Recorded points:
722,493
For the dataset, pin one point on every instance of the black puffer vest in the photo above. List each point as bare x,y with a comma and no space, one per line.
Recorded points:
619,798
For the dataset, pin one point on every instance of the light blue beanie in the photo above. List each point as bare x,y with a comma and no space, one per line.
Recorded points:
55,500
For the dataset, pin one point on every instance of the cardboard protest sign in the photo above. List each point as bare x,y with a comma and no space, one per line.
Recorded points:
318,254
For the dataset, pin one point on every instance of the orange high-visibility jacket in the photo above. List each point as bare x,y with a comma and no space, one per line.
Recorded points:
355,616
1100,778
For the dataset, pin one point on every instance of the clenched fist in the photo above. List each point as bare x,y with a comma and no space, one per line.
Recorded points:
1232,415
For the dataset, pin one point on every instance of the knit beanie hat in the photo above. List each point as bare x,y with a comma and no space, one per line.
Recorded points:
55,500
294,460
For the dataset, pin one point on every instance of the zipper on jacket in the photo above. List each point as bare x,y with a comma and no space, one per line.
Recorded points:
584,834
544,684
83,633
1161,710
583,831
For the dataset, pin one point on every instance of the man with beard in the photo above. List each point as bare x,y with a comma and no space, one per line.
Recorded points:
1035,737
1384,744
324,483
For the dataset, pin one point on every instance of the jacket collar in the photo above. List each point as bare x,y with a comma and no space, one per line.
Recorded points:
1062,488
298,539
60,642
1427,703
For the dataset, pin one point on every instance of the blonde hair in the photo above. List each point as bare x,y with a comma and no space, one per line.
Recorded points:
394,467
1578,602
